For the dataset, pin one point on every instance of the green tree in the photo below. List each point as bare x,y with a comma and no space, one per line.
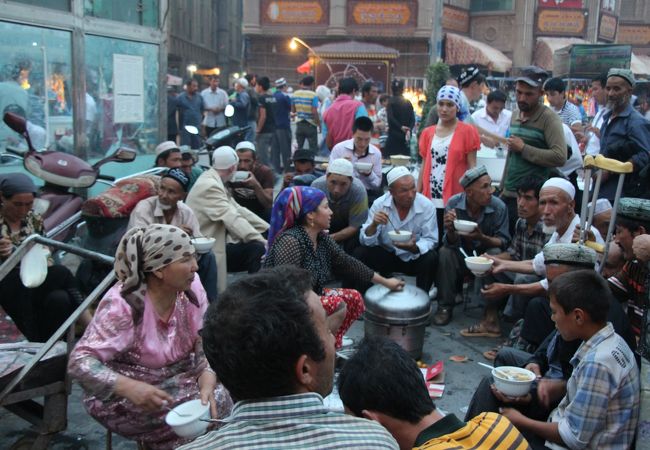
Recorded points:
437,74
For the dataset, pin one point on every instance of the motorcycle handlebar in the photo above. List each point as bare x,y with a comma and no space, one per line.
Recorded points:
105,177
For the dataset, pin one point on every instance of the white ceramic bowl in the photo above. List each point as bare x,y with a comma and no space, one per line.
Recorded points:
513,387
240,175
191,426
465,226
402,236
478,264
203,244
363,167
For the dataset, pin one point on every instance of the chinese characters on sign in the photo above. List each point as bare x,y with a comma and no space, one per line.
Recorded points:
633,34
382,13
294,12
561,22
455,19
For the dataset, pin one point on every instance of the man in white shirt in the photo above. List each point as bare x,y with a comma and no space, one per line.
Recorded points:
215,101
494,117
592,132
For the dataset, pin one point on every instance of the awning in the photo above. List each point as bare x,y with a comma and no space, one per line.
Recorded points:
304,67
546,47
463,50
354,49
640,64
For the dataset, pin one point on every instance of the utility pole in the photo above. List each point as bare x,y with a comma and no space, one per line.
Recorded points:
435,46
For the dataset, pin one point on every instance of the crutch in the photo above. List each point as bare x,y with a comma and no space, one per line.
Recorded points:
600,163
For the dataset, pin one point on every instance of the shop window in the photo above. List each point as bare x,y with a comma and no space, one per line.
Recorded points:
491,5
122,85
35,82
63,5
139,12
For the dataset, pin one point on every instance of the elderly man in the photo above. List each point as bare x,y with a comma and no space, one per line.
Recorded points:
168,208
602,215
268,341
381,382
256,191
168,155
241,101
625,136
348,201
239,244
403,209
360,150
476,204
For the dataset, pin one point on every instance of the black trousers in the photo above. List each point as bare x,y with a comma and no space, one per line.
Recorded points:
537,321
40,311
244,256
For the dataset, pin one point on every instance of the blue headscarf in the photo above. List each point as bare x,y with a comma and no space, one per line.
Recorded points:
452,93
291,206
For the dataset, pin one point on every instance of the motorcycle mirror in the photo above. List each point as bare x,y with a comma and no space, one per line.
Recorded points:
229,111
124,154
15,122
191,129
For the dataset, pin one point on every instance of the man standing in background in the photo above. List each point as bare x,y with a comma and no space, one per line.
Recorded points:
305,105
282,118
215,100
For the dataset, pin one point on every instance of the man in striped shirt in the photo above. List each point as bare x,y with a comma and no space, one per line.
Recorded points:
270,344
555,90
304,104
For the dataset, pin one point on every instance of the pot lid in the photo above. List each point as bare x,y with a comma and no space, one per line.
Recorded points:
409,303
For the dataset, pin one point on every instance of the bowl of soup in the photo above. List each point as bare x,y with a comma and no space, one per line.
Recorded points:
513,381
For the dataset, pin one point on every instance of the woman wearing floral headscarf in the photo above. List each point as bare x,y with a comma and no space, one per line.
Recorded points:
448,149
142,352
298,236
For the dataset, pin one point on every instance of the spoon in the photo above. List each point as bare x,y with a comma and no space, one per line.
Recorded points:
501,373
391,222
463,252
215,420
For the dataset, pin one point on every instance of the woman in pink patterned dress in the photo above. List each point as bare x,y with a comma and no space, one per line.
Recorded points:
142,351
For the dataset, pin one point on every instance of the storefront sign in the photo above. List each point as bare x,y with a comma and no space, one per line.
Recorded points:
633,34
382,13
455,19
294,12
128,88
607,27
561,22
570,4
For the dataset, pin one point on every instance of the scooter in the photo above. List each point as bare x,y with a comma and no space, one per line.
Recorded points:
60,171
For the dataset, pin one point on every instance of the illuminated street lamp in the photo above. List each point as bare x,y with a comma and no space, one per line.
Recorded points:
293,45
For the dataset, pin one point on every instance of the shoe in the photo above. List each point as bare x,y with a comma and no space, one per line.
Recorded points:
442,316
477,330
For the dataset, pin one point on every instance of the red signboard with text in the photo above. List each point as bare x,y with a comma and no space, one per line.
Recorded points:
569,4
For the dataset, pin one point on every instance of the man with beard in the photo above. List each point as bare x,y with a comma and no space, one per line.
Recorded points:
536,144
168,208
625,136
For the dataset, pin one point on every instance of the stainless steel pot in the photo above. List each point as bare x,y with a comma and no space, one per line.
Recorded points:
402,316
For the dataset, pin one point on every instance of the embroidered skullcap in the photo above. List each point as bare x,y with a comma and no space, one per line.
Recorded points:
179,176
245,145
570,255
341,166
560,183
471,175
451,93
280,82
635,209
468,74
16,183
602,205
224,157
397,173
626,74
166,145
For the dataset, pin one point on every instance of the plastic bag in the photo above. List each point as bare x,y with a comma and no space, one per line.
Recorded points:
33,267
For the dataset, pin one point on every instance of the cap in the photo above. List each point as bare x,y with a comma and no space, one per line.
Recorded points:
303,155
602,205
224,157
560,183
164,146
635,209
626,74
245,145
471,175
532,76
243,82
341,166
280,82
178,175
570,255
397,173
468,74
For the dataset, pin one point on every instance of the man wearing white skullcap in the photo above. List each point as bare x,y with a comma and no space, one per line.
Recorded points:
239,244
256,191
400,209
348,201
241,101
602,215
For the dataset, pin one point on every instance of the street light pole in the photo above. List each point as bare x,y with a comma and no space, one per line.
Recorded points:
293,46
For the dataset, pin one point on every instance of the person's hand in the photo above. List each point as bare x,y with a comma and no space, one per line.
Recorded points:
576,235
448,220
594,130
408,245
495,291
5,247
550,391
503,398
475,235
380,218
207,385
641,247
498,264
251,181
187,229
534,367
405,129
288,178
513,415
394,284
146,396
515,144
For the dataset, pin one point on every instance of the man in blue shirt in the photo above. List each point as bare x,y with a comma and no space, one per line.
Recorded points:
190,111
241,101
282,118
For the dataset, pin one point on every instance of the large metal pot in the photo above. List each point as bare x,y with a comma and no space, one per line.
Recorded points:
402,316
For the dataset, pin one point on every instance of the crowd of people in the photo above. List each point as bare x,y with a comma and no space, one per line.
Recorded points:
261,350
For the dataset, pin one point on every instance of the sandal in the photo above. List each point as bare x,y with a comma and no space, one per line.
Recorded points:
491,355
477,330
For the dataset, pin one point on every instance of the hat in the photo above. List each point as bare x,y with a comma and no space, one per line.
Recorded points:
243,82
626,74
341,166
602,205
634,208
560,183
397,173
164,146
468,74
451,93
245,145
280,82
178,175
303,155
570,255
532,76
471,175
224,157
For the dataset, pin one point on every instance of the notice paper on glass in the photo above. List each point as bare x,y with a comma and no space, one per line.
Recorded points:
128,89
